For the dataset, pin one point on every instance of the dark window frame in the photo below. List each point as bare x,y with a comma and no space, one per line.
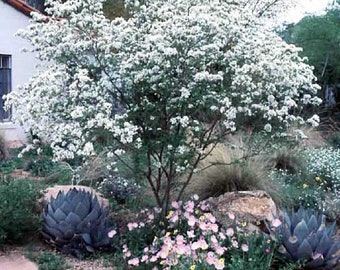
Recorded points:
5,85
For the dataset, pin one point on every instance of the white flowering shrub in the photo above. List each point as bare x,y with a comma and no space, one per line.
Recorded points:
324,166
161,82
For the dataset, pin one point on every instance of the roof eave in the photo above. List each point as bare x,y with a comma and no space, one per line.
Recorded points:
21,6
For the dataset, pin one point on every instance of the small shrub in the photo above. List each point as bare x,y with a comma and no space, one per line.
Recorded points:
18,210
118,188
192,239
50,261
334,140
61,173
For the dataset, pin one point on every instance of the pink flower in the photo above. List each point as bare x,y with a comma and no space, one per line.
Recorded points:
144,258
213,239
151,217
222,235
210,217
164,252
189,206
231,216
134,261
210,259
230,232
191,221
219,264
174,217
201,243
181,249
112,233
220,250
244,247
212,227
191,234
132,225
202,226
180,239
175,204
204,206
234,243
153,258
276,223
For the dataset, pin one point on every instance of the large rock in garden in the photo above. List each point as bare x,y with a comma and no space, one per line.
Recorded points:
53,192
250,208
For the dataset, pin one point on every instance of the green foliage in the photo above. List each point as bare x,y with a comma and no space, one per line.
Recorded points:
258,257
76,223
18,210
315,176
320,39
50,261
334,140
11,164
61,173
114,8
118,188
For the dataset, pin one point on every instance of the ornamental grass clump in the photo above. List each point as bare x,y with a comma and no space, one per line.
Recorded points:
76,223
304,236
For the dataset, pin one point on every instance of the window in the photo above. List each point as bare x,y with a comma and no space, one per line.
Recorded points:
5,84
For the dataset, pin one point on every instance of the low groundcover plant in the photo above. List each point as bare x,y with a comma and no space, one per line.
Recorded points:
193,239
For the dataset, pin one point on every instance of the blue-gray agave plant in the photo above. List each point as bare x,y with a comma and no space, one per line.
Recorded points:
304,235
76,223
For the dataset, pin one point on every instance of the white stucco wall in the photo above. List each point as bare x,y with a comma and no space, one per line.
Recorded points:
23,64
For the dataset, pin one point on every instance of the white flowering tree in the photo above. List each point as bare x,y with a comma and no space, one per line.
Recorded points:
167,83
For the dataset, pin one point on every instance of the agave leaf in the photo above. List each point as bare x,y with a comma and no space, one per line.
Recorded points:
76,197
66,207
48,219
59,215
89,248
313,240
81,210
93,216
301,230
331,230
324,244
304,251
287,220
312,224
291,245
332,251
73,219
53,232
316,263
49,210
53,204
87,238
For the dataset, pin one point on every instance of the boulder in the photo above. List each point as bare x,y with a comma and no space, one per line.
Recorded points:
53,192
250,208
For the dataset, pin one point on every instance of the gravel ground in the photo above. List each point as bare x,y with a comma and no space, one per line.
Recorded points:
72,263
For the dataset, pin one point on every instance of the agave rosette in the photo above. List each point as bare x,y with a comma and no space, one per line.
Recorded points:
304,235
76,223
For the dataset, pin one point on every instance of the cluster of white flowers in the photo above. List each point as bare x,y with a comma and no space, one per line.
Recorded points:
169,63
